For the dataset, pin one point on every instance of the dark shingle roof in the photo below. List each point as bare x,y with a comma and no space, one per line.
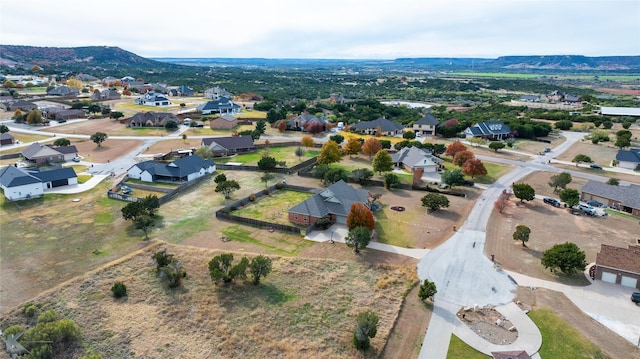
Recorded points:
178,168
230,142
631,155
55,175
39,149
494,128
5,136
13,177
335,199
427,120
384,124
626,259
65,149
626,195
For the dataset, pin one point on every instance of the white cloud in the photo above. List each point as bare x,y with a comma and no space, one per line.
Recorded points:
330,28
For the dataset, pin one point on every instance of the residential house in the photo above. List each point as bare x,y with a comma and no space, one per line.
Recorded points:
68,152
127,79
18,183
618,265
426,125
387,127
103,95
223,122
22,105
152,99
6,139
63,114
334,202
86,78
493,130
182,170
41,154
530,98
215,93
110,81
185,91
300,122
629,158
623,198
230,145
63,91
223,105
412,158
150,119
139,86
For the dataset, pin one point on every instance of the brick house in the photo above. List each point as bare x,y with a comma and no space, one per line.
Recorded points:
223,122
387,127
622,198
334,201
229,145
618,265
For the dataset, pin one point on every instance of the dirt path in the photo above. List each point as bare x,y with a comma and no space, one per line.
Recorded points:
405,340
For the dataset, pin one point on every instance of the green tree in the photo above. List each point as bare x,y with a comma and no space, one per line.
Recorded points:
299,152
524,192
204,152
335,174
623,138
522,233
427,290
560,180
170,125
266,177
259,267
144,222
261,126
358,237
337,138
566,257
133,210
366,327
119,289
570,196
329,153
627,124
409,135
98,138
220,178
151,203
496,146
607,125
94,108
272,116
227,187
613,182
435,201
362,174
382,162
5,129
222,268
453,177
579,158
61,142
163,259
173,273
267,163
116,115
34,117
564,125
391,180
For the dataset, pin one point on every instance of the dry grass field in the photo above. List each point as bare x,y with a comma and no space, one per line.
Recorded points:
549,226
303,309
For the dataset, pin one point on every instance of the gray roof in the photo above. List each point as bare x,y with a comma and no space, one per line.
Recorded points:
65,149
37,149
631,155
627,195
620,111
11,176
157,118
55,175
231,143
63,91
415,157
427,120
5,136
223,103
490,128
178,168
384,124
335,199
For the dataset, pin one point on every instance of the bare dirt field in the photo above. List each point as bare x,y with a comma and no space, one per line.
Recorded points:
109,150
621,91
106,125
601,153
549,226
303,309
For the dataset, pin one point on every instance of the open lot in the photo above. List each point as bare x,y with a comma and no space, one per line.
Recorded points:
108,126
304,308
274,207
601,153
549,226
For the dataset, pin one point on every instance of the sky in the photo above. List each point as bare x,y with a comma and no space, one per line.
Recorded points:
329,29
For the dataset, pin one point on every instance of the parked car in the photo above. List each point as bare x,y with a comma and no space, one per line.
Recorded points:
547,149
594,203
443,186
468,183
635,297
587,209
595,166
76,159
552,201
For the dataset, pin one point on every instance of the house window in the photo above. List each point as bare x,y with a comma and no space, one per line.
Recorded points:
295,216
305,218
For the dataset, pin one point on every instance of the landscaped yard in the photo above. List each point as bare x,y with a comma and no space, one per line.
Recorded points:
280,153
494,171
274,207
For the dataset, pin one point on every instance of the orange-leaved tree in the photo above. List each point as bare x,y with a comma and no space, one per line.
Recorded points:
353,146
360,216
474,167
371,146
454,148
307,141
462,157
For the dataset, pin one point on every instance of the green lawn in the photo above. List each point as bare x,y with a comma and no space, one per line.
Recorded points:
273,208
561,340
459,349
282,153
494,171
390,232
285,244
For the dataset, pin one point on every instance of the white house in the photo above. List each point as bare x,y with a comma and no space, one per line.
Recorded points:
152,99
19,184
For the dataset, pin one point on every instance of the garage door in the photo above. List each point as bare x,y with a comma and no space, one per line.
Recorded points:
341,219
629,282
608,277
